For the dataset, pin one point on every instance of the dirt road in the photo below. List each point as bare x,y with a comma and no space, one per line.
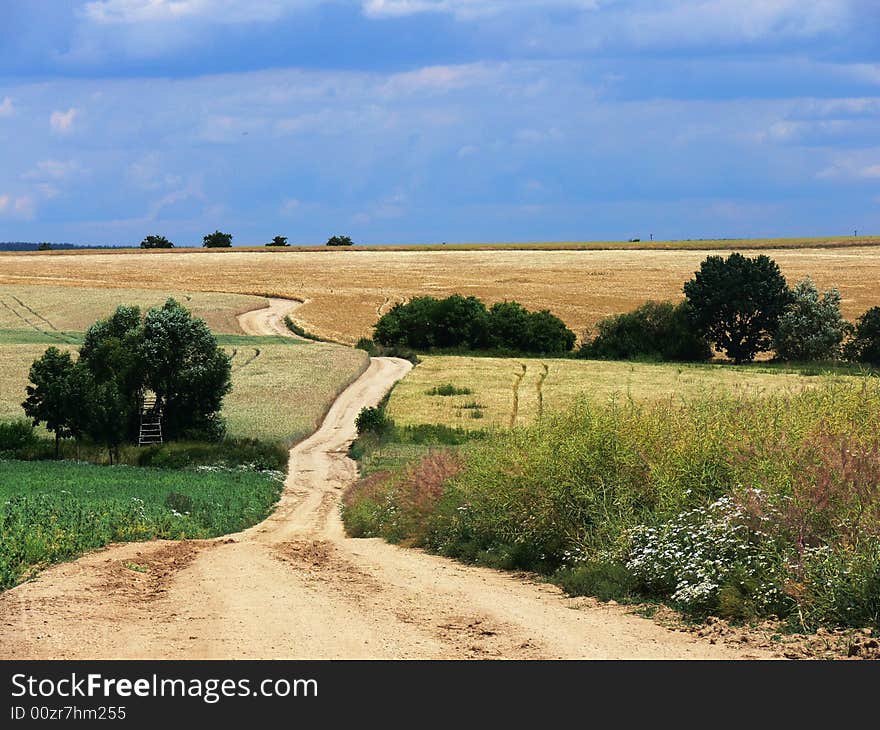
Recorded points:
295,587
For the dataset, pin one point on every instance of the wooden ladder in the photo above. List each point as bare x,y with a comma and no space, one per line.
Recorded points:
151,421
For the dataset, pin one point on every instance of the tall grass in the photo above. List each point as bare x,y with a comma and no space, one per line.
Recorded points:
739,506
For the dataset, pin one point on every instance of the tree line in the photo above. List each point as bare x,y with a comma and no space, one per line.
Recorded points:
741,307
99,395
220,239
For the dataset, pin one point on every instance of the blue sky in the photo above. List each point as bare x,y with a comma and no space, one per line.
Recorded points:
417,121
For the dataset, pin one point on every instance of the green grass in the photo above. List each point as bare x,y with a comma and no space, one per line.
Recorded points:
55,511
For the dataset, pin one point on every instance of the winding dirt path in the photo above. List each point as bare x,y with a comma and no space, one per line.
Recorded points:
270,319
294,586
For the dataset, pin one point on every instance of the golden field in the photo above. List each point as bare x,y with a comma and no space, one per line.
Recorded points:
513,392
346,290
50,308
280,392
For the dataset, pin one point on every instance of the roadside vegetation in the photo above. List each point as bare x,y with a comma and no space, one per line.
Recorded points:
53,511
727,506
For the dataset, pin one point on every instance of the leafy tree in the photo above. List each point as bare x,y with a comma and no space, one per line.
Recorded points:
156,242
108,415
110,352
811,327
185,367
424,323
736,303
509,324
278,241
865,344
653,331
217,239
339,241
44,246
46,400
548,334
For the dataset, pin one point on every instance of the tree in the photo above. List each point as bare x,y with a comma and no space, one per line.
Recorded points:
44,246
339,241
736,303
278,241
217,239
187,370
156,242
864,346
425,323
811,327
547,333
46,401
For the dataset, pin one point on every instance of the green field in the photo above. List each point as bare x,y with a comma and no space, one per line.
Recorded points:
281,387
53,511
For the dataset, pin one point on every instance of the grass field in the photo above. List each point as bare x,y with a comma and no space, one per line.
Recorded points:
52,311
580,286
53,511
506,392
281,387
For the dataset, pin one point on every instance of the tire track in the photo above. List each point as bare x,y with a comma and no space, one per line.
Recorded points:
518,378
540,388
54,335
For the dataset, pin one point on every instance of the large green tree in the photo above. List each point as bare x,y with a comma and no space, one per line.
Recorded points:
736,303
184,366
812,326
156,242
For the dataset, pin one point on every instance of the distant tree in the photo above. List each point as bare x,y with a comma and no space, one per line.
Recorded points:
156,242
812,326
217,239
339,241
653,331
278,241
44,246
46,400
864,346
187,370
546,333
736,303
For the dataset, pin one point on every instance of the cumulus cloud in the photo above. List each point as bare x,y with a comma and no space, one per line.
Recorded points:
62,122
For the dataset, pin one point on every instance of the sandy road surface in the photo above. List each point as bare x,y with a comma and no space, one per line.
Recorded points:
295,587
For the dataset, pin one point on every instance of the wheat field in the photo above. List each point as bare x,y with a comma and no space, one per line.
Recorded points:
509,392
346,291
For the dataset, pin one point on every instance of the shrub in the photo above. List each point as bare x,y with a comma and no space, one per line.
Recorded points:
811,327
339,241
367,345
373,420
513,327
864,347
448,389
278,241
16,435
736,303
653,331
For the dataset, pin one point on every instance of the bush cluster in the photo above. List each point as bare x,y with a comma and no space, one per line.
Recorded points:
654,331
457,322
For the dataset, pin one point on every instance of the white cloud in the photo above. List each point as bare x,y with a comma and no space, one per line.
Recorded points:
290,206
22,206
6,107
853,167
465,9
110,12
52,170
4,202
62,122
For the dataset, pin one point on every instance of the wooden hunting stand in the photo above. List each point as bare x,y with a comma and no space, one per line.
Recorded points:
151,421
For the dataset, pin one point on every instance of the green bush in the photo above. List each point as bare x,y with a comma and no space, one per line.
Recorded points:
864,347
230,453
811,328
448,389
373,420
464,323
653,331
16,435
